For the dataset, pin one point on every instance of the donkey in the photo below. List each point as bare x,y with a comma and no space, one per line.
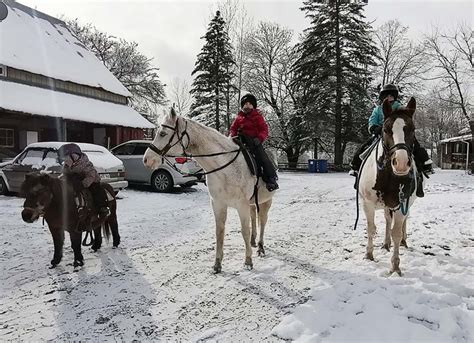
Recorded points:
388,179
54,199
229,179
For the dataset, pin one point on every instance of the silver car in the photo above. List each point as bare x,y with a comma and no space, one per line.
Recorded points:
173,171
43,156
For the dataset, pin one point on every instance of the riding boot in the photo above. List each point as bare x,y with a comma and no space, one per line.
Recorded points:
100,199
269,172
419,187
422,159
356,160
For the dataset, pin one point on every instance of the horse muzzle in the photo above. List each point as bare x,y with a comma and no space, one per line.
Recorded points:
30,215
151,160
400,168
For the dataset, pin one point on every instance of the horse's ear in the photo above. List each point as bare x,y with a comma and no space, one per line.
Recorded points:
411,106
386,108
173,113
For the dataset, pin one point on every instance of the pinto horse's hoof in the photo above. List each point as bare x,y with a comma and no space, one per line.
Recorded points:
369,256
403,243
386,246
217,268
248,263
261,250
397,270
78,263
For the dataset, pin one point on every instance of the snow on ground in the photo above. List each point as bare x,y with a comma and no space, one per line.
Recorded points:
313,285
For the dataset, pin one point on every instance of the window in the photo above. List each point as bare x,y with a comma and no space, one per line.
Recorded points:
3,70
126,149
140,149
51,159
7,138
32,157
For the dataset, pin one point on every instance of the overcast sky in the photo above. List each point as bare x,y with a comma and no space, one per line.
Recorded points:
170,30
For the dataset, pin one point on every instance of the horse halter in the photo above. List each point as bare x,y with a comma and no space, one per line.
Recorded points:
399,146
168,146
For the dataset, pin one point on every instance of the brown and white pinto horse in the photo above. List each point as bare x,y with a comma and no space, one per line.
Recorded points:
388,179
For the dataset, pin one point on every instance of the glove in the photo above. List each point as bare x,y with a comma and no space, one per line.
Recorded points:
375,129
256,141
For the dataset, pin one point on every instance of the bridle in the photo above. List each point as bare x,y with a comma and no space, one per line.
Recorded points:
168,146
180,136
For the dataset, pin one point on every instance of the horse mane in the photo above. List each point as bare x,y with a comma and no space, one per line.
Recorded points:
33,179
211,134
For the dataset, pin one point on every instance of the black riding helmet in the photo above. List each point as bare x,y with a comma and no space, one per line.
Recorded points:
248,98
388,89
69,149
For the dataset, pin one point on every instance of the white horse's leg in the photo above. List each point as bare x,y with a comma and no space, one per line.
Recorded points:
403,243
244,214
397,228
388,225
253,216
262,218
220,215
369,210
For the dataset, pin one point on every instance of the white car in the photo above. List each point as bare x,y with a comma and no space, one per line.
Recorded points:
173,171
43,156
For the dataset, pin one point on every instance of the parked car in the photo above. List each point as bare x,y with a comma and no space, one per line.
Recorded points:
44,156
173,171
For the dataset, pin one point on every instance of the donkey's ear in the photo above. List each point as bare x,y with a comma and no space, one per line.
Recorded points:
411,106
386,108
173,113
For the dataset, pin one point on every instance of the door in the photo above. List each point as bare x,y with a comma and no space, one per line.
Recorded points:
124,153
140,172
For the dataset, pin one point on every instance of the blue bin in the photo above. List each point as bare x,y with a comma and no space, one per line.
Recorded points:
312,166
321,166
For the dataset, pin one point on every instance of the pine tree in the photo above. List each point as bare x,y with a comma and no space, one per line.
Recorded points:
213,70
336,53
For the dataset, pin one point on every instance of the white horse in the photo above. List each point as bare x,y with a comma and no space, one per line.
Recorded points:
388,180
229,181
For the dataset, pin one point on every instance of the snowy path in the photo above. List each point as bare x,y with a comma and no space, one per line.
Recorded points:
313,284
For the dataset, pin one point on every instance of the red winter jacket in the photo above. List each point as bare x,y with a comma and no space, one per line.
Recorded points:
251,125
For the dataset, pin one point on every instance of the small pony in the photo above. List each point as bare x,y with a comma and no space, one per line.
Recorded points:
388,179
54,199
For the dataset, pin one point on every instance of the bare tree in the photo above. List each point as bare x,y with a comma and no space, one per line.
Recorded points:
133,69
401,61
180,96
239,26
453,68
269,58
436,120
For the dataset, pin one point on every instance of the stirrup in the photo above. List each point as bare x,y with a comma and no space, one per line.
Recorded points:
353,172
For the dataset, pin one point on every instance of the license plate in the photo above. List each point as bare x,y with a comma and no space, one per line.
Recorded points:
105,176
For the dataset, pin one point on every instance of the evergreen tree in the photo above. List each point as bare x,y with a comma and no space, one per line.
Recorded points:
335,55
213,73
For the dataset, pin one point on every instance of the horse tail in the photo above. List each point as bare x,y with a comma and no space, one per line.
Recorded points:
106,229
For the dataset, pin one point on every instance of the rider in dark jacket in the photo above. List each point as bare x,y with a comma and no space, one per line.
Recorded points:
76,162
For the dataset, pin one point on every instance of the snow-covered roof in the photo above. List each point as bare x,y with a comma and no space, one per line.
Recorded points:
56,145
38,43
457,139
40,101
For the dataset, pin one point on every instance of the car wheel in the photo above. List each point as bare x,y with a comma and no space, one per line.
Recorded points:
161,181
3,187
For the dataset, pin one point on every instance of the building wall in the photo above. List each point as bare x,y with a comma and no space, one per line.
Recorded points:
27,128
454,155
